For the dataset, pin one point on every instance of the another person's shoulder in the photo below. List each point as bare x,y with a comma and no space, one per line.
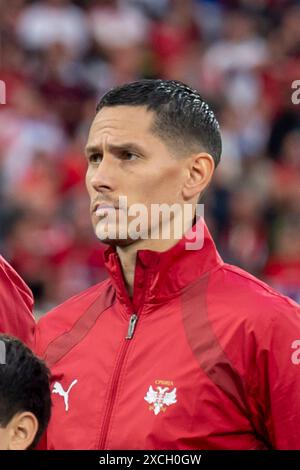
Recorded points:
63,317
11,280
16,302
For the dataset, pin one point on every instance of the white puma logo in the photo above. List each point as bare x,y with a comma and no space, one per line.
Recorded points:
59,389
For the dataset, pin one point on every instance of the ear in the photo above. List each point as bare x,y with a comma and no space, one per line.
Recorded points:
200,170
22,431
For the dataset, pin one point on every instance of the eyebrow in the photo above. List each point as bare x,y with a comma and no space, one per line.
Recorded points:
90,149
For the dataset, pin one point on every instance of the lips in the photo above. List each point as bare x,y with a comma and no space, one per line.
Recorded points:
101,209
102,205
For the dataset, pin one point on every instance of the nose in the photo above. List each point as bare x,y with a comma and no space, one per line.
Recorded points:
104,175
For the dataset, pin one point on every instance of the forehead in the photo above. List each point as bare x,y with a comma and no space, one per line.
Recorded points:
116,123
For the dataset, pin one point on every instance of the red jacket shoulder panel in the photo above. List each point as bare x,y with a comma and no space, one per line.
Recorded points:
16,304
71,320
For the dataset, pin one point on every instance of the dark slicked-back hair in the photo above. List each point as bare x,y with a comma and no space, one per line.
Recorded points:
24,385
182,118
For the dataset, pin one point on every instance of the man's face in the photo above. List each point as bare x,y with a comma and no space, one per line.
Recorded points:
125,158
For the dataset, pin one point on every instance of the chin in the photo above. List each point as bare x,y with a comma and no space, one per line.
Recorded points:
114,241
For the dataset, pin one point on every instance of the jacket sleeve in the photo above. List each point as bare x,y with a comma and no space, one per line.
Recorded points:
16,304
277,378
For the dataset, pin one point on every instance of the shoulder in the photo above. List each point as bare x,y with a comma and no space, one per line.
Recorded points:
244,298
63,317
252,322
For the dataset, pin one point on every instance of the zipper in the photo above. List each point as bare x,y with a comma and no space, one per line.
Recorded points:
115,381
131,326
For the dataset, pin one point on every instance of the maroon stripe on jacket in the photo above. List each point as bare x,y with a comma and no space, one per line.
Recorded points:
206,347
67,341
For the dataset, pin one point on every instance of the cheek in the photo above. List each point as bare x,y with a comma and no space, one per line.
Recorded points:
88,177
162,185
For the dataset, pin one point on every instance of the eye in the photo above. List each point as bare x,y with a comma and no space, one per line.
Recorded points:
130,156
95,158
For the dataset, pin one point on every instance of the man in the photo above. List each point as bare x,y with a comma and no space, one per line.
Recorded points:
25,401
176,350
15,305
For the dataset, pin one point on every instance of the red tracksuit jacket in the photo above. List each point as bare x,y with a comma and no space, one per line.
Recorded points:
15,305
204,356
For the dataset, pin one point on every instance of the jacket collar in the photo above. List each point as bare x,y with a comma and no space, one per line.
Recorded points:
159,276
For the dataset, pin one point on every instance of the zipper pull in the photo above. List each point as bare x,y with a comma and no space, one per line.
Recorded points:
131,326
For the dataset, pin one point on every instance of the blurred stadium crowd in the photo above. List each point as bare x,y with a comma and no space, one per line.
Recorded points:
59,56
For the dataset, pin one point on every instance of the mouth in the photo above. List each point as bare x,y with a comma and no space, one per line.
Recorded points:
101,209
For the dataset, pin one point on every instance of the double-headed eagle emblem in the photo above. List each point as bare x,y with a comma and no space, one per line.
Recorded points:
159,398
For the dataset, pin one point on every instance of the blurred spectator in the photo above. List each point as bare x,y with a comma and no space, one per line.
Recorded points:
286,174
26,128
115,24
58,56
244,240
282,269
173,38
49,22
240,50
